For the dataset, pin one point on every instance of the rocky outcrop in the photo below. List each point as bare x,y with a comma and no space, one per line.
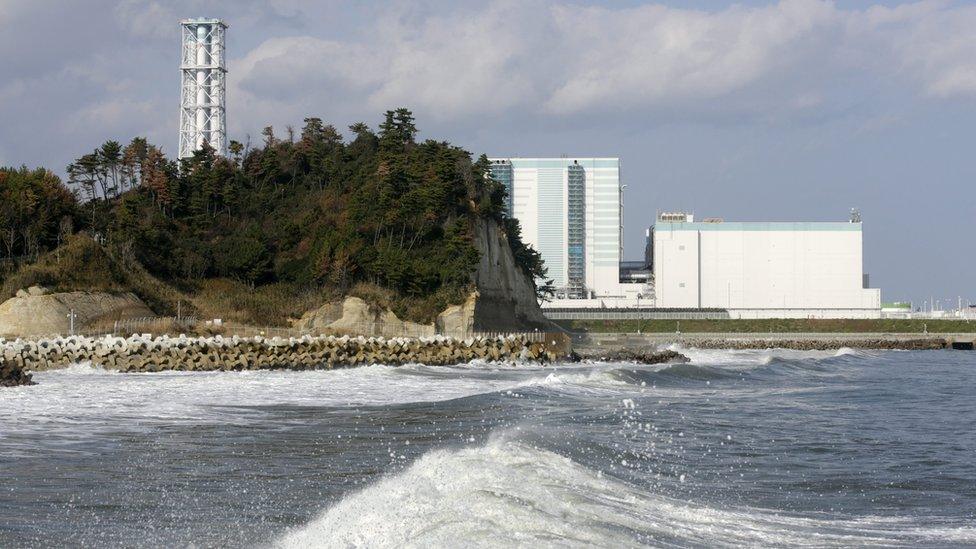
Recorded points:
317,321
12,375
153,354
34,312
640,356
458,320
33,291
353,316
505,299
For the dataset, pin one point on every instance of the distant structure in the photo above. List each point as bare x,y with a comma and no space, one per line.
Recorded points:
761,270
570,210
203,92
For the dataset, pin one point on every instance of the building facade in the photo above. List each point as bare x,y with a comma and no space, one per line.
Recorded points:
762,270
570,210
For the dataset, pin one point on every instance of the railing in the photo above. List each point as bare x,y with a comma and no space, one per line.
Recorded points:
191,326
152,324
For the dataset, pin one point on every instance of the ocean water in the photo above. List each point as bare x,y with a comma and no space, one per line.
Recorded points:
760,448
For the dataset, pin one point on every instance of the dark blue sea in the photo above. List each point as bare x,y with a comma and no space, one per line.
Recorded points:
758,448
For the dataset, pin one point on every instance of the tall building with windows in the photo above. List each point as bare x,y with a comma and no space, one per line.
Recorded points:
571,212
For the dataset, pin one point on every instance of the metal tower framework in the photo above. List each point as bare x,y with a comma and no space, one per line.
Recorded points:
203,95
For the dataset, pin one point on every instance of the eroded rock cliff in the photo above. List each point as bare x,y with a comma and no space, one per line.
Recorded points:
503,301
356,317
34,312
506,299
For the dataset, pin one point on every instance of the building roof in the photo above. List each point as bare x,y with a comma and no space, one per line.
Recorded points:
606,162
759,226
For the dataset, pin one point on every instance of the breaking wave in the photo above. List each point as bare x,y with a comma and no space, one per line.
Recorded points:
509,493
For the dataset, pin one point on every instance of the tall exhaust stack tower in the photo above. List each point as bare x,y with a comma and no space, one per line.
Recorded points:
202,109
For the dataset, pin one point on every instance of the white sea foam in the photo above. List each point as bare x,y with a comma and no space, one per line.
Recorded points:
748,358
82,393
508,493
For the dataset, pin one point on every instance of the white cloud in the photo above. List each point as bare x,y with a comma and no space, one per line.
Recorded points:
941,49
550,58
144,18
448,66
113,115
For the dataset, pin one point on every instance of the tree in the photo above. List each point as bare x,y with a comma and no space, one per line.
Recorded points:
236,148
83,173
269,136
110,162
156,179
397,130
318,212
33,207
133,157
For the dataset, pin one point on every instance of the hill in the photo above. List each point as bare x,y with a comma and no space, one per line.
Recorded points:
275,230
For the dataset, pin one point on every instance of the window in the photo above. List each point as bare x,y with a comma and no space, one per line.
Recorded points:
681,284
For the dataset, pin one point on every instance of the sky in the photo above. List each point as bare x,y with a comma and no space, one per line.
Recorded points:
796,110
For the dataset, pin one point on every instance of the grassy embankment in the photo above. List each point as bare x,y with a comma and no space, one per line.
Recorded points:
773,326
81,264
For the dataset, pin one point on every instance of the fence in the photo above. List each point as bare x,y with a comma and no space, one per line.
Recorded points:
174,325
371,329
631,314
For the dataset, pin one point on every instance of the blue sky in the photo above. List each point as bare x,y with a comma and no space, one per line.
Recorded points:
792,110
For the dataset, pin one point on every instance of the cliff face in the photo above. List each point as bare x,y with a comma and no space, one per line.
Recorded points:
37,313
503,301
355,316
506,298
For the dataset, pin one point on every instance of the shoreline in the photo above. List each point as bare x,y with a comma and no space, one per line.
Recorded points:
161,353
783,340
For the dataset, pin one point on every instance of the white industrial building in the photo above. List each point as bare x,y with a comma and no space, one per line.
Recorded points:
762,270
570,212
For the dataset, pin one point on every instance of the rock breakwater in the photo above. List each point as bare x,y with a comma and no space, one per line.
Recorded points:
641,356
154,354
920,344
12,375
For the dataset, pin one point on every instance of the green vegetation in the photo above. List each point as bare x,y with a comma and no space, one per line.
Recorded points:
271,230
772,325
36,212
83,264
268,304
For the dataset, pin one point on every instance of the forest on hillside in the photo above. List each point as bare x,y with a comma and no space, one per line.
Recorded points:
309,211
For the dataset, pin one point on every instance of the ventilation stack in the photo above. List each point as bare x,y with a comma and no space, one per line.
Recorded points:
203,91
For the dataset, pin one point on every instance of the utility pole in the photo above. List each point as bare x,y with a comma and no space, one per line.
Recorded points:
71,322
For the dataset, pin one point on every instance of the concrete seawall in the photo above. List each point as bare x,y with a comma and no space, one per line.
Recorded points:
798,341
154,354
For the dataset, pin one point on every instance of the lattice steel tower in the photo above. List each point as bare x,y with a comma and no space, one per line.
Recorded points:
202,110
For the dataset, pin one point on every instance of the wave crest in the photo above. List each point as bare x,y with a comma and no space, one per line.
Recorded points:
510,493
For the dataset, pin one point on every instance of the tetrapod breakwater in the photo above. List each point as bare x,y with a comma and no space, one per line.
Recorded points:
144,353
